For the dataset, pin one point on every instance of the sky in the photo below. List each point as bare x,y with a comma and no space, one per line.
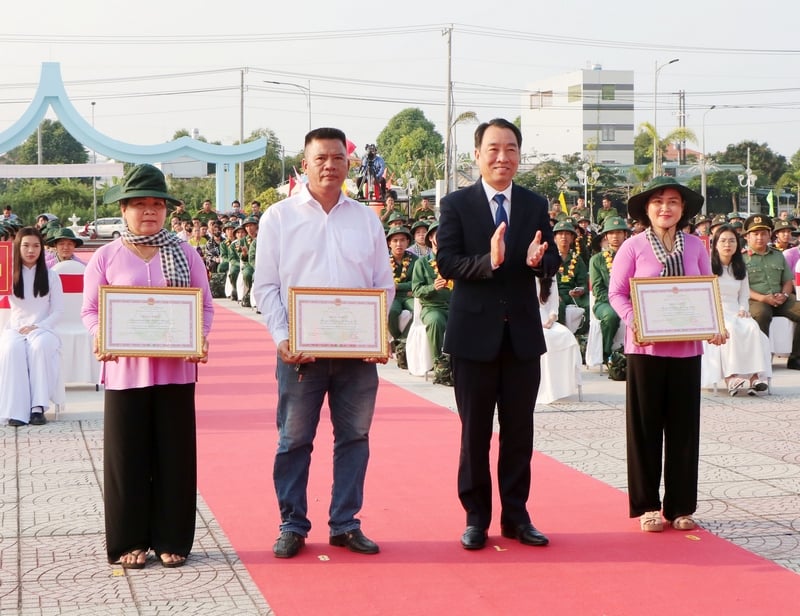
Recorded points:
152,68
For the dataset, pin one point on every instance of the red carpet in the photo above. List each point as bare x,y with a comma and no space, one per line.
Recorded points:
597,563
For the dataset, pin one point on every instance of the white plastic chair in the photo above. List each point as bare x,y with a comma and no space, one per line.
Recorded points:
594,341
78,362
560,367
418,349
781,334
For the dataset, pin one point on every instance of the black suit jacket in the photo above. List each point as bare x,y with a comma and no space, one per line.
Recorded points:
483,301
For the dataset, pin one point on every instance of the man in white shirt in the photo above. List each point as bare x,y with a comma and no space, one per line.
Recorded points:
320,238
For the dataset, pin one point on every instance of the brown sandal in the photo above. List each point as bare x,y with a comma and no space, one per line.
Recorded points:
651,522
134,564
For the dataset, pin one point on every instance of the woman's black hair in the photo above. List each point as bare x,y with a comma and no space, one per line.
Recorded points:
738,268
545,285
41,281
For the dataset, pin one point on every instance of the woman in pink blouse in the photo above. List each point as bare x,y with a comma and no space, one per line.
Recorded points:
663,378
150,468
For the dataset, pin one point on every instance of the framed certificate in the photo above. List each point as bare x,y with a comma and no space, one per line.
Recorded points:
150,321
345,323
6,271
676,308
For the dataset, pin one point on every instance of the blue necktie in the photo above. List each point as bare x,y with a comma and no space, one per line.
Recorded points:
500,215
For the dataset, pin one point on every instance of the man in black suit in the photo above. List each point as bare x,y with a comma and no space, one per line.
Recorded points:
494,239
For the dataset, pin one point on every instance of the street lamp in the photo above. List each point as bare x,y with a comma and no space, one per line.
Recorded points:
587,179
306,91
94,178
656,165
703,160
748,180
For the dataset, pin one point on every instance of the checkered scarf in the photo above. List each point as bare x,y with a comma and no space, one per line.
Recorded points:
174,264
672,262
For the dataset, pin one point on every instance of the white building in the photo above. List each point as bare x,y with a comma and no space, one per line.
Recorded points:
589,112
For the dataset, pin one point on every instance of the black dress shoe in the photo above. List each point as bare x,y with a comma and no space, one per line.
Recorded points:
793,363
288,544
38,419
474,538
524,533
355,541
15,423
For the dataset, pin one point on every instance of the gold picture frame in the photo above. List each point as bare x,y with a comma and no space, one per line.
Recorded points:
150,321
676,308
338,322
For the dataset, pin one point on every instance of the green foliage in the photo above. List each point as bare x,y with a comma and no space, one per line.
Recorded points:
766,164
58,147
62,197
264,172
194,191
410,143
268,197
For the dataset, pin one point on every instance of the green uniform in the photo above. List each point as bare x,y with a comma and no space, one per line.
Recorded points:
573,273
403,299
224,256
435,302
204,217
767,274
599,274
602,214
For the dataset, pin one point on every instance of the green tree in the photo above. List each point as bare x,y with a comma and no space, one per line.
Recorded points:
766,164
58,147
266,171
791,178
651,138
408,138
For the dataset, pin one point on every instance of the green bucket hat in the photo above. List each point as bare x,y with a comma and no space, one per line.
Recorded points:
719,219
434,226
397,230
637,204
781,224
250,220
615,223
141,181
418,224
565,226
63,234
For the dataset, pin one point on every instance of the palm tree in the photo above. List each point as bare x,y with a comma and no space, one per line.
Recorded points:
674,136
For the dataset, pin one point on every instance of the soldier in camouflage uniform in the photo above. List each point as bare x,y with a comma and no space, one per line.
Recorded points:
402,262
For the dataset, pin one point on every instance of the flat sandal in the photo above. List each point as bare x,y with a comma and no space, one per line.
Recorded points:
651,522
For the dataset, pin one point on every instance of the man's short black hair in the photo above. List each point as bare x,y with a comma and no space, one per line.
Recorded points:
499,123
326,133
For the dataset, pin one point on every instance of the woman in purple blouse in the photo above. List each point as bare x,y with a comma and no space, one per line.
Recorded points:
150,456
663,378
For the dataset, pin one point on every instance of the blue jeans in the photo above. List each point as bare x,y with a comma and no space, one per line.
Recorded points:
351,386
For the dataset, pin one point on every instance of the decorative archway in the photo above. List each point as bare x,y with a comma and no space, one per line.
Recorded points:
51,93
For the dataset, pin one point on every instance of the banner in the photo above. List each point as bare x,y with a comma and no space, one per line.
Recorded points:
6,272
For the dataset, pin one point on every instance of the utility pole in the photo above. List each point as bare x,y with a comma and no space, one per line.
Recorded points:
448,121
241,139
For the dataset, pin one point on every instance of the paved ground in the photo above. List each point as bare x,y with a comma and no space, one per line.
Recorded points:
52,558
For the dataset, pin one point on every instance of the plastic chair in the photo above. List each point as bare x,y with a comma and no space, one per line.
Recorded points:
594,341
78,362
781,334
418,349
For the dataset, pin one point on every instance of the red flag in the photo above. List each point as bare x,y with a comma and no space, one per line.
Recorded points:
292,184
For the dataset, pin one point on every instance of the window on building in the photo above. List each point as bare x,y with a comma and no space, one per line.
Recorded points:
608,92
607,133
574,94
542,99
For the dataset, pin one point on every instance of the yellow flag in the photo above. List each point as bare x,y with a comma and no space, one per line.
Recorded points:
563,203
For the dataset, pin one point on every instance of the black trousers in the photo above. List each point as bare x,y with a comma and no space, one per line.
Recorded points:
662,409
150,469
511,385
